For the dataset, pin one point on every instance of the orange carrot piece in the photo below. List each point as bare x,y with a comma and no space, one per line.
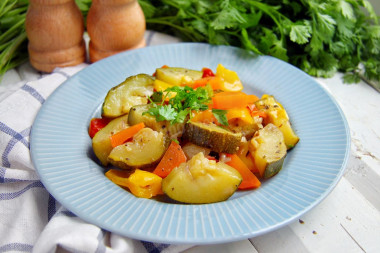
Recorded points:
227,93
172,158
252,98
214,81
200,82
250,181
122,136
229,100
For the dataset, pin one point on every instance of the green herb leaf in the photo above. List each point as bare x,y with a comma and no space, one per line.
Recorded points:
179,107
221,116
300,33
162,112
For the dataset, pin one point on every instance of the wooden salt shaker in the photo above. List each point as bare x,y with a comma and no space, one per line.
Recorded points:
55,32
114,26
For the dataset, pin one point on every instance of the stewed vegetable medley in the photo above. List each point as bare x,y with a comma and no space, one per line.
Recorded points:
193,135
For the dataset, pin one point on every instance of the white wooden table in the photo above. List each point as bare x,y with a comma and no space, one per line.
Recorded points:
348,220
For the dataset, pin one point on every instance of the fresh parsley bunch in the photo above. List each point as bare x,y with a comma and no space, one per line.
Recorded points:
175,104
319,37
13,42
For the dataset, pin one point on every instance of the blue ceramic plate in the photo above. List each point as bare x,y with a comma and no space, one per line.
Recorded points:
61,150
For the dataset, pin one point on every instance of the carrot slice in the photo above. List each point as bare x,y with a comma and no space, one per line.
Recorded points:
250,181
172,158
252,98
229,100
122,136
214,81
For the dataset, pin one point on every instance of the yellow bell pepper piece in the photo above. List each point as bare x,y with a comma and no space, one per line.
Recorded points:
159,85
142,184
230,79
119,177
241,115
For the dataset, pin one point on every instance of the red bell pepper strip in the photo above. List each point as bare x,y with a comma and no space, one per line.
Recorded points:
97,124
207,72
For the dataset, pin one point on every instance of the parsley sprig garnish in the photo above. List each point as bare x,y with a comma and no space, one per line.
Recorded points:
183,100
221,116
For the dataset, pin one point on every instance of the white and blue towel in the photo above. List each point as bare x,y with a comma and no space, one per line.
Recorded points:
31,220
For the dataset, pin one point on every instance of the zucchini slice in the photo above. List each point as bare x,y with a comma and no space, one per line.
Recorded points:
178,76
246,130
269,150
211,136
144,151
134,90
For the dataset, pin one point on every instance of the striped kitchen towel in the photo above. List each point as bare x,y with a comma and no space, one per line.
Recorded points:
31,220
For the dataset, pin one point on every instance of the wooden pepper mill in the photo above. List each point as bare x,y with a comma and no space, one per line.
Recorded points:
114,26
55,32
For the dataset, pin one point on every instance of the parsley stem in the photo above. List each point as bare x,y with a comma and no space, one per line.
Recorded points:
271,12
179,28
7,54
